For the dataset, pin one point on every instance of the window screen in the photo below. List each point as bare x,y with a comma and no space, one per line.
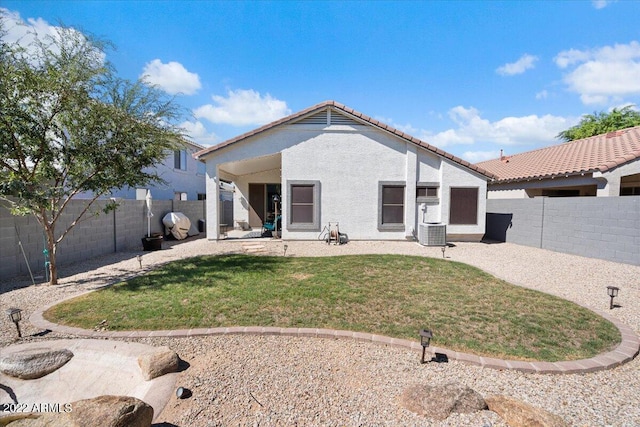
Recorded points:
302,206
392,204
464,206
426,191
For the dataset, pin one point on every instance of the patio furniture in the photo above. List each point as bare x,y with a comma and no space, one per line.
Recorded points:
269,227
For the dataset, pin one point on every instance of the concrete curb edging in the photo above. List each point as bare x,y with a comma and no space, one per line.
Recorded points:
626,351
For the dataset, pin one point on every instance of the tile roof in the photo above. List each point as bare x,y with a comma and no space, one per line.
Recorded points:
349,111
594,154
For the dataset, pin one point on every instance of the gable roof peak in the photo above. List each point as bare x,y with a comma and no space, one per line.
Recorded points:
362,117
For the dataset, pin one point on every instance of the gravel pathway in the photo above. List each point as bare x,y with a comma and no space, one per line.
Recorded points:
250,380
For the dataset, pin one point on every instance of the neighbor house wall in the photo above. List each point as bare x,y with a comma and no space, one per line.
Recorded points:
115,231
606,228
607,184
190,181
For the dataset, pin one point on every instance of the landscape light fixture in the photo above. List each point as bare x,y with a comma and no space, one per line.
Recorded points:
15,315
183,393
140,261
285,249
425,338
613,292
444,248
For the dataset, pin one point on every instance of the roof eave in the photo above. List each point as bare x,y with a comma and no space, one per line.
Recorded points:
360,117
542,177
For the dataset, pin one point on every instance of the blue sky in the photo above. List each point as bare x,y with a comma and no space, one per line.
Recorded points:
469,77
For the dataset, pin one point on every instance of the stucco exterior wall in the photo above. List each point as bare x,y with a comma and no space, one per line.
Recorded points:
349,163
613,177
454,175
349,166
241,193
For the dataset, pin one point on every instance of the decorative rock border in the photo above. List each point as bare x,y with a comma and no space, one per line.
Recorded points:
626,351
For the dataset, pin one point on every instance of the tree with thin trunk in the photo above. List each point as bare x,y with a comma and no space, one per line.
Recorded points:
602,122
70,126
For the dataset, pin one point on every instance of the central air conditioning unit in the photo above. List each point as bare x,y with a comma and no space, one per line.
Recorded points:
432,234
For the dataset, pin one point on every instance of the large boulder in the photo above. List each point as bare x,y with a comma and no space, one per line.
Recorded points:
101,411
520,414
438,402
33,363
162,361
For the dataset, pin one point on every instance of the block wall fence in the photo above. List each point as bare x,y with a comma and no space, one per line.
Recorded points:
596,227
116,231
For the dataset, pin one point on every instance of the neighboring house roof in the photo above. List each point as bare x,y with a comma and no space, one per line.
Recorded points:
355,114
594,154
193,144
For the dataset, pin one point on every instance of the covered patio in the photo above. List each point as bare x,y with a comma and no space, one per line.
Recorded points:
257,195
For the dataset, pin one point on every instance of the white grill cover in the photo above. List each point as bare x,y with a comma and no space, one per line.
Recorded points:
178,224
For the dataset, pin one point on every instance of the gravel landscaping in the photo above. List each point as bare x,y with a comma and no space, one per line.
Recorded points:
249,380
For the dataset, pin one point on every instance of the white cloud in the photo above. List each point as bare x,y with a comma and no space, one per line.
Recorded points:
242,108
543,94
602,75
171,77
601,4
480,156
25,33
523,64
197,132
472,128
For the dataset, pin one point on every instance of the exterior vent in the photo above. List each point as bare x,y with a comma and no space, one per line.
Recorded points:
314,119
339,119
432,234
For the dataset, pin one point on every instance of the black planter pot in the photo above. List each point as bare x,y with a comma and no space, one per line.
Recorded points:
153,243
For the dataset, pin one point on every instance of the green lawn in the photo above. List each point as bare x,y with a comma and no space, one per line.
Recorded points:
394,295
